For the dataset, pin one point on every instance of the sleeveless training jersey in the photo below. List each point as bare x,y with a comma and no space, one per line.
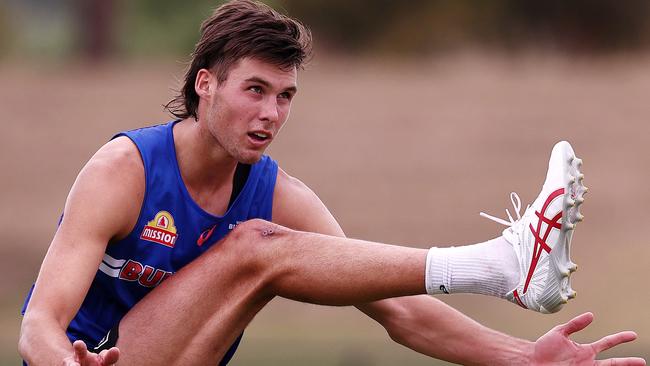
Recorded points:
171,231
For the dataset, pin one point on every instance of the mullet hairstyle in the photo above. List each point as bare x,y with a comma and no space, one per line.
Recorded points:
239,29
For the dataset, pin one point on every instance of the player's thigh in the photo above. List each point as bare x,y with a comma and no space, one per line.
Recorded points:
206,344
194,316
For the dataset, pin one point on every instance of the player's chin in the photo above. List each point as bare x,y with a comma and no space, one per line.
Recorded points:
250,157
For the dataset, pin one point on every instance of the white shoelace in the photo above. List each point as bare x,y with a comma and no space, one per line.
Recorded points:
516,203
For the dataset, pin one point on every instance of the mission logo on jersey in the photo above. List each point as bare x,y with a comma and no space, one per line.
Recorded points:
161,230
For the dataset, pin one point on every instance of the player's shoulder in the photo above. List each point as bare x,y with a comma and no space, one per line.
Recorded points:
296,206
289,189
118,155
109,189
116,167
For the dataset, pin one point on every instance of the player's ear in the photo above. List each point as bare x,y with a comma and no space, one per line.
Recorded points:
202,83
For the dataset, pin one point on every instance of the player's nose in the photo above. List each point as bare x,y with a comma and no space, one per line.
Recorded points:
269,110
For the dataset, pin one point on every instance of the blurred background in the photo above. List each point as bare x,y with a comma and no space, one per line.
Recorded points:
411,118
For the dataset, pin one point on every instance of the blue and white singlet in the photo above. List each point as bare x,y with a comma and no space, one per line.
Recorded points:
171,231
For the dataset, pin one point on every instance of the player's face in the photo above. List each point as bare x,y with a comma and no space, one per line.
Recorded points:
249,108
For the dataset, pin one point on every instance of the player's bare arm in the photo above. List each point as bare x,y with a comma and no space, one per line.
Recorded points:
103,205
431,327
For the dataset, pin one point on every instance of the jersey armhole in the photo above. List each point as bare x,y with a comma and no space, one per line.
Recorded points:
146,186
242,171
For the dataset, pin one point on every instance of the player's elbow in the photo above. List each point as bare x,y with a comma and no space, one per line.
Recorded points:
35,327
398,322
29,331
398,336
398,333
23,343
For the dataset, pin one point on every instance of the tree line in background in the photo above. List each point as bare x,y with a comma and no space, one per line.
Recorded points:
425,26
99,29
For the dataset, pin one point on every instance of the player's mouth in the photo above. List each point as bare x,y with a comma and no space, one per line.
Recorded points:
259,138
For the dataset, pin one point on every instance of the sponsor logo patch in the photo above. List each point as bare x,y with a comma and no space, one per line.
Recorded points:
161,230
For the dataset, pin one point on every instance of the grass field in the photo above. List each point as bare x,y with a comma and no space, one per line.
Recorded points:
405,153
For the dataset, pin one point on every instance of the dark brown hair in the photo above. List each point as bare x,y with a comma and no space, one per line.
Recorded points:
239,29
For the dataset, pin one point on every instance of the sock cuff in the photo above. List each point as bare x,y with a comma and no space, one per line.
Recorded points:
489,268
436,275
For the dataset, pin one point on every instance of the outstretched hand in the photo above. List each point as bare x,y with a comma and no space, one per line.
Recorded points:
555,347
82,357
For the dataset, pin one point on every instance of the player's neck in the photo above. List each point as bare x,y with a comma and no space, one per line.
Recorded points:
205,169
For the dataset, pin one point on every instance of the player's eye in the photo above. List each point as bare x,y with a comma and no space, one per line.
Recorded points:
255,89
285,95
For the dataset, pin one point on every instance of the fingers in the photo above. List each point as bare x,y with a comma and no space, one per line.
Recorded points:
80,350
82,356
628,361
109,356
576,324
613,340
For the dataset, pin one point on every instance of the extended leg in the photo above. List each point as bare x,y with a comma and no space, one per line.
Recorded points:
203,308
193,317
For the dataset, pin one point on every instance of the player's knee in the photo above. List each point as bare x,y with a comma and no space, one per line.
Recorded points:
255,240
256,231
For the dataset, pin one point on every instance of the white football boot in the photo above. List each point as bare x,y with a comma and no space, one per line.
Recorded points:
541,237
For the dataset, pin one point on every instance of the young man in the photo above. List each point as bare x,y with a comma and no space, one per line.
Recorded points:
175,236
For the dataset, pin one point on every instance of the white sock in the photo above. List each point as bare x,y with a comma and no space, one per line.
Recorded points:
489,268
